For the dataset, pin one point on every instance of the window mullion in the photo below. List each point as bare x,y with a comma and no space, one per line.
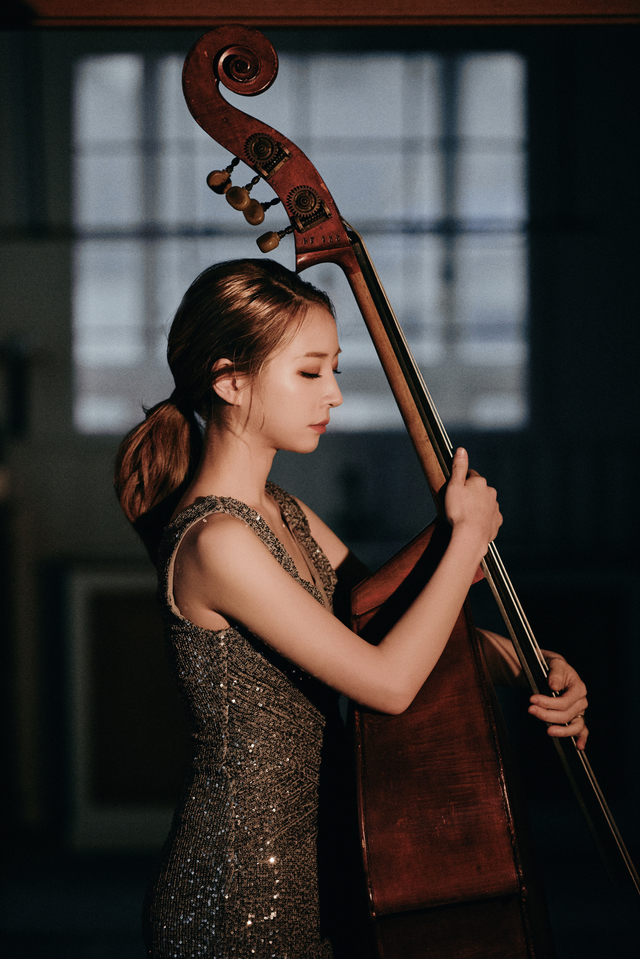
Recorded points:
150,186
449,89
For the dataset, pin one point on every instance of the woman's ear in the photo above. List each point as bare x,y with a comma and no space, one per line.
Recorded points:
228,384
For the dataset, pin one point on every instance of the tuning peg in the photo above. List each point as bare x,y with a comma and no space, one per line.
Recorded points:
269,241
238,196
220,180
254,213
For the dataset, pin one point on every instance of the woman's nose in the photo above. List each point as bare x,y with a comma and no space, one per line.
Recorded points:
335,396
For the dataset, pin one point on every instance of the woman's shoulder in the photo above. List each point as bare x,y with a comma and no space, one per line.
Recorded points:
205,508
214,537
207,526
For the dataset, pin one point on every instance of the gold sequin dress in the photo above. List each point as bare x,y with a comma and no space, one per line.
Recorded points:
260,861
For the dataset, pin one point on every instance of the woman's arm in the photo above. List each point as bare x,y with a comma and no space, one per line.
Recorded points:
229,571
502,659
563,713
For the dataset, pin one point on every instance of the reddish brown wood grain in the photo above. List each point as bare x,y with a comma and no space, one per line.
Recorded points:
444,835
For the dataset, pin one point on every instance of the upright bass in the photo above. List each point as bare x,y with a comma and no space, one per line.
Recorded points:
446,863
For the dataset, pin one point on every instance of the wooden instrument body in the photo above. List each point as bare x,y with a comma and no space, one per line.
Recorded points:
445,839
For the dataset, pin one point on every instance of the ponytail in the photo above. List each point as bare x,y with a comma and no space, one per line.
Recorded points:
155,463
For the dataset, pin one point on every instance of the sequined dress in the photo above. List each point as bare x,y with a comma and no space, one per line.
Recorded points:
261,859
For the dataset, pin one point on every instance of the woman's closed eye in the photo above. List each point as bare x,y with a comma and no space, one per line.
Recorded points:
315,376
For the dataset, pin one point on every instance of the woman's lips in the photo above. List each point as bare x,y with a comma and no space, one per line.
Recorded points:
320,427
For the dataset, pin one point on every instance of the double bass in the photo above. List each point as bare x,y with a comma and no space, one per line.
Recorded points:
447,867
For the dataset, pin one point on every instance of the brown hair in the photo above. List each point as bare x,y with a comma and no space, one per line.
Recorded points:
241,310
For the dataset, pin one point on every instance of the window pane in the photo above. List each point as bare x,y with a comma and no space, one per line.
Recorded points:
423,184
423,318
490,124
359,180
107,99
107,191
108,304
490,307
107,142
421,102
492,96
337,105
490,185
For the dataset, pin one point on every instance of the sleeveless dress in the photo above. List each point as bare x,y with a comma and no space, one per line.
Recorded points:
261,860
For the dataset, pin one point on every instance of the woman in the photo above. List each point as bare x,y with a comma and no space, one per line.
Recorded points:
261,856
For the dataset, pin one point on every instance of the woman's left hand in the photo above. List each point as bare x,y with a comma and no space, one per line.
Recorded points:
564,712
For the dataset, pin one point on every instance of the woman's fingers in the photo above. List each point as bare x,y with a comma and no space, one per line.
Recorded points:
582,737
562,677
470,501
459,467
564,712
565,682
558,711
577,728
564,722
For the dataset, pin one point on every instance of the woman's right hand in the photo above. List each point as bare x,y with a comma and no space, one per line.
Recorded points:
470,504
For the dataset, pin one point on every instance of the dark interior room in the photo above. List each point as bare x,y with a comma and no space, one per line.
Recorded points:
94,739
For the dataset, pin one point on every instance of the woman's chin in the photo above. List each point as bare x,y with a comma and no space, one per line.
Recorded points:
306,445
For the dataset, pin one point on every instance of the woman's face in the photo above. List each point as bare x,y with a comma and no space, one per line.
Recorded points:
292,396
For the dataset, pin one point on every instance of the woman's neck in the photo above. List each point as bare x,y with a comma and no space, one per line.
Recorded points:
231,465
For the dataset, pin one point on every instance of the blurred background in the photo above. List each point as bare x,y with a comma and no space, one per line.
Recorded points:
494,175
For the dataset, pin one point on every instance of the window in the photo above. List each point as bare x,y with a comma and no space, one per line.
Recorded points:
424,154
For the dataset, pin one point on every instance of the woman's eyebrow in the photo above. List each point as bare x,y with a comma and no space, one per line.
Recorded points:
319,356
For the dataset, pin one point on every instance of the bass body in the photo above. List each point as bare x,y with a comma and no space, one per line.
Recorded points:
444,834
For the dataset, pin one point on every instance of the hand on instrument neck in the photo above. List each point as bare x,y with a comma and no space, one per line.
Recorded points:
564,711
471,505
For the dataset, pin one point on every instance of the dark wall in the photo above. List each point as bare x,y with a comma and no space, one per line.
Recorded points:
567,482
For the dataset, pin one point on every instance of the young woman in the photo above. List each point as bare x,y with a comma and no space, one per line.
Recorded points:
262,857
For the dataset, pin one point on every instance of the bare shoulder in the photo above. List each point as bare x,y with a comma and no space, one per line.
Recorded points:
331,545
217,567
213,539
